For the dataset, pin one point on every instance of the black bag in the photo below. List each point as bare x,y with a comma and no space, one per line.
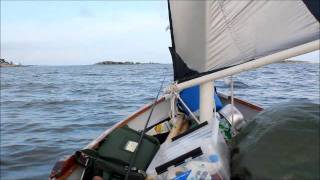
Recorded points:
114,155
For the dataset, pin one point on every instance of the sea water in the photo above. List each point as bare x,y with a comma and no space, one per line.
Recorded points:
51,111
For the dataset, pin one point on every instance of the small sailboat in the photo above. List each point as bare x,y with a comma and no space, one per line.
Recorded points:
185,133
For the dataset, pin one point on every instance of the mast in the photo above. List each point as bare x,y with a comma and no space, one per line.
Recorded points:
206,103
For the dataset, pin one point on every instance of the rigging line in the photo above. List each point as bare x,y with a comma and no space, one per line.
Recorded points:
145,127
232,98
215,120
214,103
184,104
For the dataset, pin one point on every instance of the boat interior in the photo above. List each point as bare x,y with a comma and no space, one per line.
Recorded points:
171,140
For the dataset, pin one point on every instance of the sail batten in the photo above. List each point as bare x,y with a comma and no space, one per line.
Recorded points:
213,35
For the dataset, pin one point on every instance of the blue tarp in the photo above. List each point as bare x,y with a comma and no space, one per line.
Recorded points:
191,97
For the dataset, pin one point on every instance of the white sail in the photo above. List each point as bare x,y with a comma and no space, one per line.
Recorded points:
209,35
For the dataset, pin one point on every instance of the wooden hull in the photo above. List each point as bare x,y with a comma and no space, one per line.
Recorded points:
67,168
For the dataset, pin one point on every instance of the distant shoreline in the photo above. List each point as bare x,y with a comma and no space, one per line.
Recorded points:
295,61
121,63
4,63
9,65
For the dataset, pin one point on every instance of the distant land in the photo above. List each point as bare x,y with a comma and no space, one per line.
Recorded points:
4,63
121,63
296,61
132,63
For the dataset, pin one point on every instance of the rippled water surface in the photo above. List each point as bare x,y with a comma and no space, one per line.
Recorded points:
49,112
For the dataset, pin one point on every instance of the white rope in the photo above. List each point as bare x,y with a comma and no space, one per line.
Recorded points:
173,109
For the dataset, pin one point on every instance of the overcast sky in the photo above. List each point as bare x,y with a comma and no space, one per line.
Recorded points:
73,32
76,33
